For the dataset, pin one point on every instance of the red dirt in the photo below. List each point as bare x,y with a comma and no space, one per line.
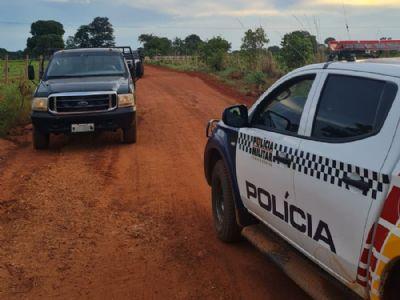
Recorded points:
216,84
93,218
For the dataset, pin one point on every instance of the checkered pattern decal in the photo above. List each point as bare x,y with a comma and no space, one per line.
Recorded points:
319,167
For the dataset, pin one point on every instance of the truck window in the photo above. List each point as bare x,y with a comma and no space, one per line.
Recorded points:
352,107
282,109
86,64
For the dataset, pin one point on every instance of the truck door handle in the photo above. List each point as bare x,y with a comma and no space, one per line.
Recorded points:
283,159
357,183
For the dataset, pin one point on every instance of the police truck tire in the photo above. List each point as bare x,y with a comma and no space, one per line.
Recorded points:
223,206
40,139
391,287
129,135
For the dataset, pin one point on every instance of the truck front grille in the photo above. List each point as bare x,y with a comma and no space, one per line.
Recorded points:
85,103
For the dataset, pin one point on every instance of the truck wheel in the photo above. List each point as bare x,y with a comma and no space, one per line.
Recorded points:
223,206
391,288
40,139
129,135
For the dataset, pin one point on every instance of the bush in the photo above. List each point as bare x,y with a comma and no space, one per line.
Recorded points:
14,105
213,52
255,78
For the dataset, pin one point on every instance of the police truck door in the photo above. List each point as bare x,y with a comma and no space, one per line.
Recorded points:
338,176
266,149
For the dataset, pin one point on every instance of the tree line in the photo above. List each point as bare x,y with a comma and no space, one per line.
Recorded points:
297,48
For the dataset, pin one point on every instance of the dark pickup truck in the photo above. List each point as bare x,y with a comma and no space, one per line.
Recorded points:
84,90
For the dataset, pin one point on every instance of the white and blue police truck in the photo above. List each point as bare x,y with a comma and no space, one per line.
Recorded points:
316,160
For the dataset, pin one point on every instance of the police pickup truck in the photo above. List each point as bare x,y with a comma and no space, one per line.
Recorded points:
84,90
317,161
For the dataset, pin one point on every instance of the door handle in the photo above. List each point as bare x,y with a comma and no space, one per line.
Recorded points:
357,183
283,159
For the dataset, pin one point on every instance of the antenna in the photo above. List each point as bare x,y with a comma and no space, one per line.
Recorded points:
241,24
346,22
317,28
298,20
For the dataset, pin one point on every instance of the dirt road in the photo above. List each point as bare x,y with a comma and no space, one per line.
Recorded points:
92,218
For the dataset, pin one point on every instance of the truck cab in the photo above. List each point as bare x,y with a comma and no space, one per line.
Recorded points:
84,90
316,160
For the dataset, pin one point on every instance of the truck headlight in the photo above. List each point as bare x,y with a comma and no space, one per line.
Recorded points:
40,104
126,100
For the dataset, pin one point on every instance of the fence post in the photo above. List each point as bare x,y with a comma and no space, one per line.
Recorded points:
26,67
6,69
40,66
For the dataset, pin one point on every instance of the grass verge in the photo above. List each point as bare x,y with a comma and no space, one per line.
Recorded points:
14,105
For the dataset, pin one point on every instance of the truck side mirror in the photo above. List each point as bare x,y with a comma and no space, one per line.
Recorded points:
31,72
236,116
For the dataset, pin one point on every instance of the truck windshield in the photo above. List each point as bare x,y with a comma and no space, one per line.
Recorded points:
86,64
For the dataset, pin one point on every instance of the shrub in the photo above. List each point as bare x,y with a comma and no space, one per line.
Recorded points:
14,105
255,78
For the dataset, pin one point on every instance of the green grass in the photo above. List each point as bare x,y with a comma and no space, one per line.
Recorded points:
16,69
14,105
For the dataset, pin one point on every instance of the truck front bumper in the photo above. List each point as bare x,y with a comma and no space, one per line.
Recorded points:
105,121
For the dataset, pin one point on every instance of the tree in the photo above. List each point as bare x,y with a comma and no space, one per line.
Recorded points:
154,45
178,46
254,41
47,27
3,53
213,52
328,40
253,44
98,34
81,39
101,33
274,50
46,35
297,49
192,44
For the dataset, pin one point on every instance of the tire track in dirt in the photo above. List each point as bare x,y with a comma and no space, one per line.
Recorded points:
106,220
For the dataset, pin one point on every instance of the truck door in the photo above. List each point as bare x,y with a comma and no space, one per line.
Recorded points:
337,177
265,151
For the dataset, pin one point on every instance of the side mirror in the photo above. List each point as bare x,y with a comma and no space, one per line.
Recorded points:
236,116
31,72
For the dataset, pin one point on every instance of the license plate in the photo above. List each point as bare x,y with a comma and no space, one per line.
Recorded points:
82,127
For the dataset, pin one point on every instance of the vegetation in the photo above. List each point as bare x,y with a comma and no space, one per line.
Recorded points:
99,33
213,52
154,45
16,69
46,35
14,105
298,49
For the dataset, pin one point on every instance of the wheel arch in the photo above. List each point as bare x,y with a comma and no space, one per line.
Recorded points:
211,156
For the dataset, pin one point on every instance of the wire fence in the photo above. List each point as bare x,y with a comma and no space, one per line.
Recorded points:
12,70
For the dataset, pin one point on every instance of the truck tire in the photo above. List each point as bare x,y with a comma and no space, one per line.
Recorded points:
391,288
223,206
129,134
40,139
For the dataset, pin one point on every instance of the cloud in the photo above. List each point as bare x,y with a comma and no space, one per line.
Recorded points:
241,8
365,3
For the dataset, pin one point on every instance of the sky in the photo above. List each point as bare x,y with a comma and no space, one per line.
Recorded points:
366,19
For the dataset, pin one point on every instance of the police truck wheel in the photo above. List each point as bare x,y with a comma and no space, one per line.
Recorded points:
391,288
40,139
129,135
223,205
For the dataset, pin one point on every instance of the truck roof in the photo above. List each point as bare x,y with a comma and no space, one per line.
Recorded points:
382,66
79,50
